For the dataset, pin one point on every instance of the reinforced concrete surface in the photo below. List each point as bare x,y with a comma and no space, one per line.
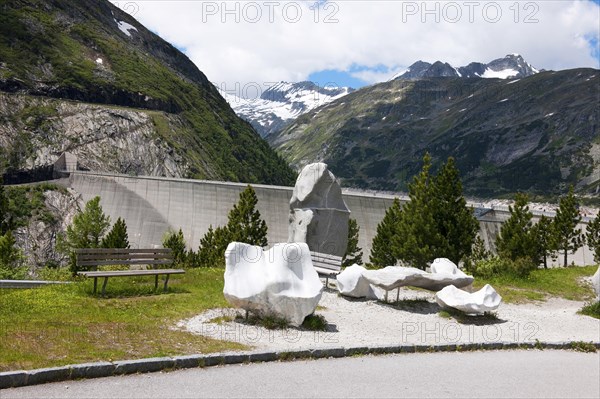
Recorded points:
152,205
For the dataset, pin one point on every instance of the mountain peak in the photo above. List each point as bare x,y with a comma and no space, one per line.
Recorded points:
511,66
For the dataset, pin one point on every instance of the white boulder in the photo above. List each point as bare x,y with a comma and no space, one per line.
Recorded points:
350,282
479,302
318,214
281,281
596,282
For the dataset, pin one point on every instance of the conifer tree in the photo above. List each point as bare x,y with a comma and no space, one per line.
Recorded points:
176,241
4,212
418,240
516,240
212,247
87,230
353,251
382,252
117,237
568,237
543,233
592,237
245,224
454,220
11,258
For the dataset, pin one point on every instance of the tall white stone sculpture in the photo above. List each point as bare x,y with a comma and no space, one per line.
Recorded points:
318,214
281,281
479,302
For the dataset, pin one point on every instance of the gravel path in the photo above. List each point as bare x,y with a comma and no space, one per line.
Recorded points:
355,323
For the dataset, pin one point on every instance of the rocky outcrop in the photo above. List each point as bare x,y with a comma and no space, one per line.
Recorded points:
318,214
39,236
279,282
108,139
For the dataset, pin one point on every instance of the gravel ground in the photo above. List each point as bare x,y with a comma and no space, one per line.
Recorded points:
415,320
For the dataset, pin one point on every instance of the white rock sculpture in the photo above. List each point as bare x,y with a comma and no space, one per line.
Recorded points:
392,277
350,282
479,302
318,214
281,281
596,282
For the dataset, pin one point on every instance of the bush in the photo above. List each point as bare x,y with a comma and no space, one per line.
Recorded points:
11,259
520,267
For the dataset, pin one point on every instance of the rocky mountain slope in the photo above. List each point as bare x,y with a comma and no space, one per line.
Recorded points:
281,103
537,134
512,66
85,77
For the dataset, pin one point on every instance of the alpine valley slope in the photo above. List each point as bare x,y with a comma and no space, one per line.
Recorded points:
537,134
85,77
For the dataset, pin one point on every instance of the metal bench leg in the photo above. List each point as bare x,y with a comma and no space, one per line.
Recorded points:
104,285
386,294
95,284
398,295
155,282
326,281
166,281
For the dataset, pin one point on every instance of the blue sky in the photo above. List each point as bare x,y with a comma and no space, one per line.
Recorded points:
354,43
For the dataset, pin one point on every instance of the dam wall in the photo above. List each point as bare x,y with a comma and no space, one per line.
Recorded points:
153,205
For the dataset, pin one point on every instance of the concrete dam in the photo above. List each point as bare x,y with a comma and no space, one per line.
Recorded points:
153,205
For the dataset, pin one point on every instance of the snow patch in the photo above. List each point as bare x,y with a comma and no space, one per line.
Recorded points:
99,61
549,115
125,27
463,110
501,101
513,81
503,74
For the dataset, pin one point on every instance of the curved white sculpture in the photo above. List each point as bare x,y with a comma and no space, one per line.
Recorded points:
484,300
351,282
596,282
392,277
281,281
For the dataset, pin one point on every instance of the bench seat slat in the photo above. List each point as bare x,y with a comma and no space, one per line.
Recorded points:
117,273
124,262
327,272
85,257
122,251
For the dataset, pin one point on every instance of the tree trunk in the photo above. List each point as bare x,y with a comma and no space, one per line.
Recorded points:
565,257
545,262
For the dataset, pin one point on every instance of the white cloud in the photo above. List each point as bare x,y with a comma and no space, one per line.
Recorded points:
369,33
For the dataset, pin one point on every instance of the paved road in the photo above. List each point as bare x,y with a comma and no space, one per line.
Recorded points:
523,374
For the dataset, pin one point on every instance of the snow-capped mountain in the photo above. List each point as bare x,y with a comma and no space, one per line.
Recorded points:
513,66
282,103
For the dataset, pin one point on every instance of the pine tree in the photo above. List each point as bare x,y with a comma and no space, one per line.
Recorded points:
418,240
87,230
382,253
4,211
454,220
353,251
568,237
516,240
543,233
245,224
592,237
212,247
11,258
176,241
117,237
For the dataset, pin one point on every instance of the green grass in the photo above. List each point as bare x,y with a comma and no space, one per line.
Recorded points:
60,325
591,309
541,284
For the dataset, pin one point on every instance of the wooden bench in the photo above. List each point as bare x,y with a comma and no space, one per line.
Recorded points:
94,257
326,265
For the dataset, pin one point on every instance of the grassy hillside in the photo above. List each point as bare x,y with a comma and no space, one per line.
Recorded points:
538,134
75,50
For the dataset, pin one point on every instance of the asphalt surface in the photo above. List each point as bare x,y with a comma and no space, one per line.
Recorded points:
495,374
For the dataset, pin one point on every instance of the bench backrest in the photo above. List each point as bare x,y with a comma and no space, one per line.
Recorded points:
94,257
326,261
